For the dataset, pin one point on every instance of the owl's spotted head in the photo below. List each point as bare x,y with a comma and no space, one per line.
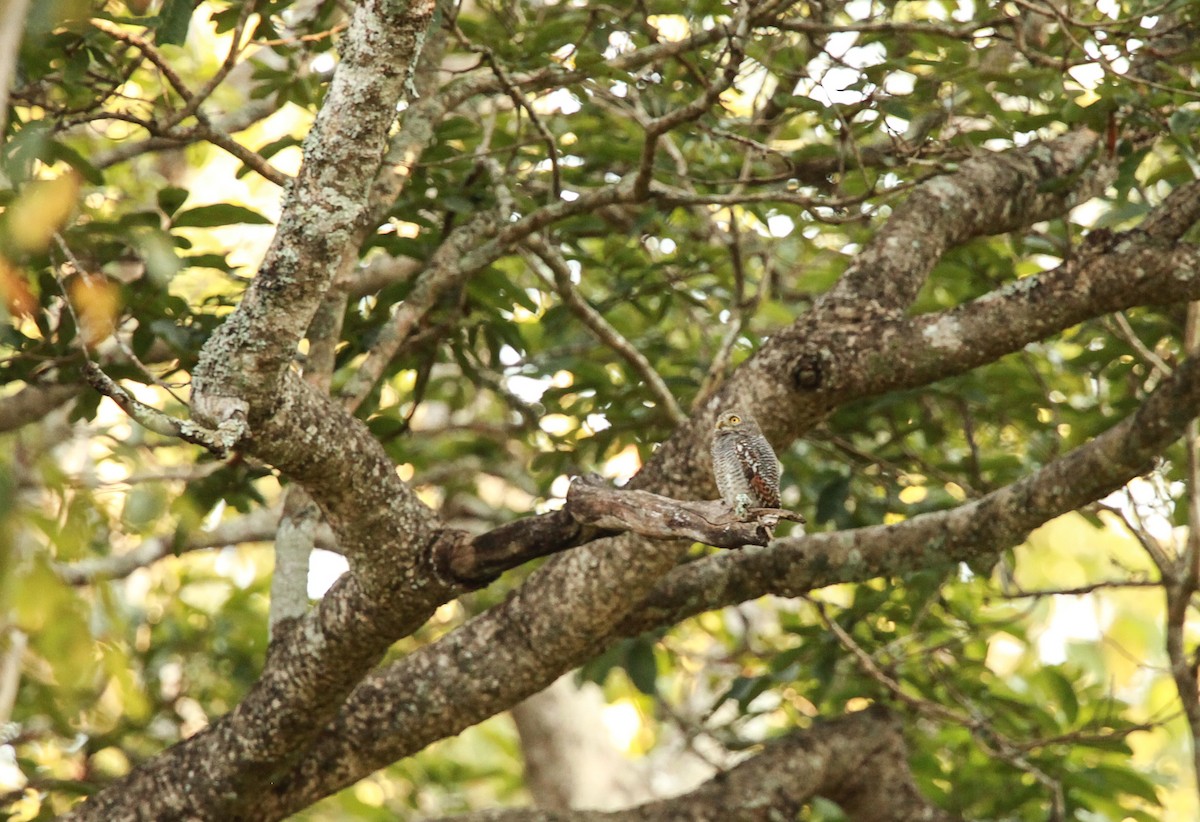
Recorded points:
734,419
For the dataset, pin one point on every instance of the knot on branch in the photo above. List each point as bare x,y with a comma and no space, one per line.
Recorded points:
808,372
590,501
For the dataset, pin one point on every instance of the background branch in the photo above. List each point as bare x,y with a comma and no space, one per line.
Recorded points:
856,761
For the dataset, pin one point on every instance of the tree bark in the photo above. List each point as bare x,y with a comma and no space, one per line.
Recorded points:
857,761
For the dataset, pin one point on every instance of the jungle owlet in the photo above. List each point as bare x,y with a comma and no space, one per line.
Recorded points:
744,464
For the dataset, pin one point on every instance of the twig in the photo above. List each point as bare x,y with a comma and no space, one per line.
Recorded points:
987,736
235,48
522,103
660,125
252,159
315,37
258,526
141,366
445,271
1066,22
594,321
1130,336
192,101
720,361
1081,590
152,54
219,442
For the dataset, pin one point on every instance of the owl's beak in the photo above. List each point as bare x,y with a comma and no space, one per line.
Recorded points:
721,424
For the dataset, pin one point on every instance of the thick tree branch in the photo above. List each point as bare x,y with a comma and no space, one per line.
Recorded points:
858,761
977,531
650,515
390,594
328,203
537,615
243,379
986,195
890,354
1178,213
296,537
312,663
834,356
565,616
594,510
575,603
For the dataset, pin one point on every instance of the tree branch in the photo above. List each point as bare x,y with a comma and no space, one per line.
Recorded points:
563,608
977,531
219,441
833,356
443,273
33,402
987,195
656,517
1177,213
244,376
594,321
858,761
242,363
593,510
258,526
916,351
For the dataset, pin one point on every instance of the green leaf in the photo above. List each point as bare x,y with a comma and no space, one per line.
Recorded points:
68,155
744,689
642,667
1062,691
831,502
171,199
173,22
1109,780
217,214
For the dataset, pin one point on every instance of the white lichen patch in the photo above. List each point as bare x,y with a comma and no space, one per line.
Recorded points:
1024,285
945,334
945,190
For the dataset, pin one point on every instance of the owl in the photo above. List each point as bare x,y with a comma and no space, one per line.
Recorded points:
744,463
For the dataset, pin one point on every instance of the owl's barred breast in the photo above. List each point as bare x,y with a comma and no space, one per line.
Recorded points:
745,466
727,469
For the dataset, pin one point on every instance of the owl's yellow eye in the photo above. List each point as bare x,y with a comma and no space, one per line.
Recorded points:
734,419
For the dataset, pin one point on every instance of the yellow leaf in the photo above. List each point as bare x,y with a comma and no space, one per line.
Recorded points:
41,210
18,299
96,301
